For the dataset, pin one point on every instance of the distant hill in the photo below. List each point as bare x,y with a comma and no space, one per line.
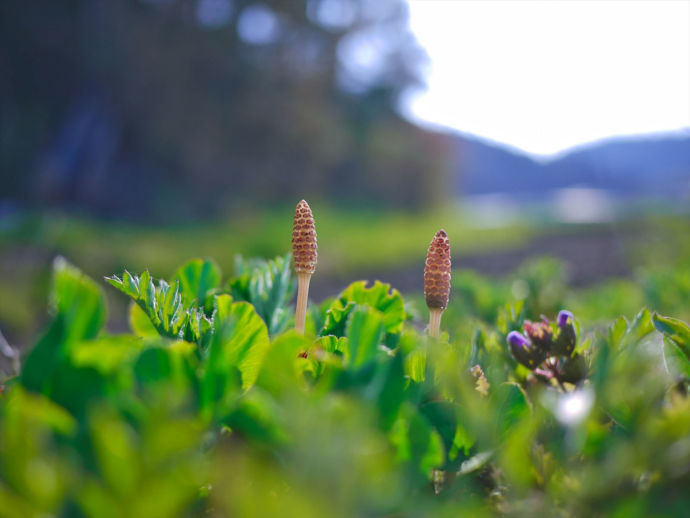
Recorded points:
644,167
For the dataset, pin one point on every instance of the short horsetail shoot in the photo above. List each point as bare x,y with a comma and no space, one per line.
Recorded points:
304,254
437,280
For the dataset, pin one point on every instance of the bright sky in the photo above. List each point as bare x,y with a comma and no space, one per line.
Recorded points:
543,76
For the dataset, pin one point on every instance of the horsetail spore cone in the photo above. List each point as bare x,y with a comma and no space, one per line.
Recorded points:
437,280
304,254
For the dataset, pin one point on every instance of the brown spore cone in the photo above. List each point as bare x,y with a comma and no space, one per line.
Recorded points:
437,272
304,239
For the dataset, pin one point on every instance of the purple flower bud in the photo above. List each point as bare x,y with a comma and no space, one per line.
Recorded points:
563,318
523,351
516,339
565,342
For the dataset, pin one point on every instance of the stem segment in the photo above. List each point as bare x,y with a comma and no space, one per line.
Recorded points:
435,322
302,296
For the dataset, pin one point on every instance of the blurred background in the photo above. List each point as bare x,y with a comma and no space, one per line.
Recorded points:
138,133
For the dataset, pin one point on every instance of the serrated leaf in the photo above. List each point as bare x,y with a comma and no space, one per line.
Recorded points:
676,330
379,296
198,279
268,286
162,305
333,344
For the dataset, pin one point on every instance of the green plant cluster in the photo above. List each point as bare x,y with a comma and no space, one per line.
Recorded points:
213,406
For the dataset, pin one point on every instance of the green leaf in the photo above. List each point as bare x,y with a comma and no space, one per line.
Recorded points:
106,354
140,323
37,410
333,344
80,312
617,332
283,365
114,447
379,296
443,417
164,307
512,404
198,280
239,343
268,286
415,364
640,327
676,361
388,387
364,333
676,330
171,364
417,442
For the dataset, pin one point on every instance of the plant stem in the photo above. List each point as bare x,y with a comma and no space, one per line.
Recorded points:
302,296
435,322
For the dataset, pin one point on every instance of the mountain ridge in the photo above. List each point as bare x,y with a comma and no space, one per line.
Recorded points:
650,166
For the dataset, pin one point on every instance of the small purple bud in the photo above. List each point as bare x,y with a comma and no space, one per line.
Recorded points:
517,339
523,351
563,318
565,342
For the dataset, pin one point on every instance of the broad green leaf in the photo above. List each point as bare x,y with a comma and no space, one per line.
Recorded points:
379,296
388,388
171,364
676,330
283,365
198,280
80,312
365,331
106,354
140,323
268,286
238,346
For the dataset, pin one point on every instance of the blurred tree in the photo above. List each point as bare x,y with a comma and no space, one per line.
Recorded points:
131,107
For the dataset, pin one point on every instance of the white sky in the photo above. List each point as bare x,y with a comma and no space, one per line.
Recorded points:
543,76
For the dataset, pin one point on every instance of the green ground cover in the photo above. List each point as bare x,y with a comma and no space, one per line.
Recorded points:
210,405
